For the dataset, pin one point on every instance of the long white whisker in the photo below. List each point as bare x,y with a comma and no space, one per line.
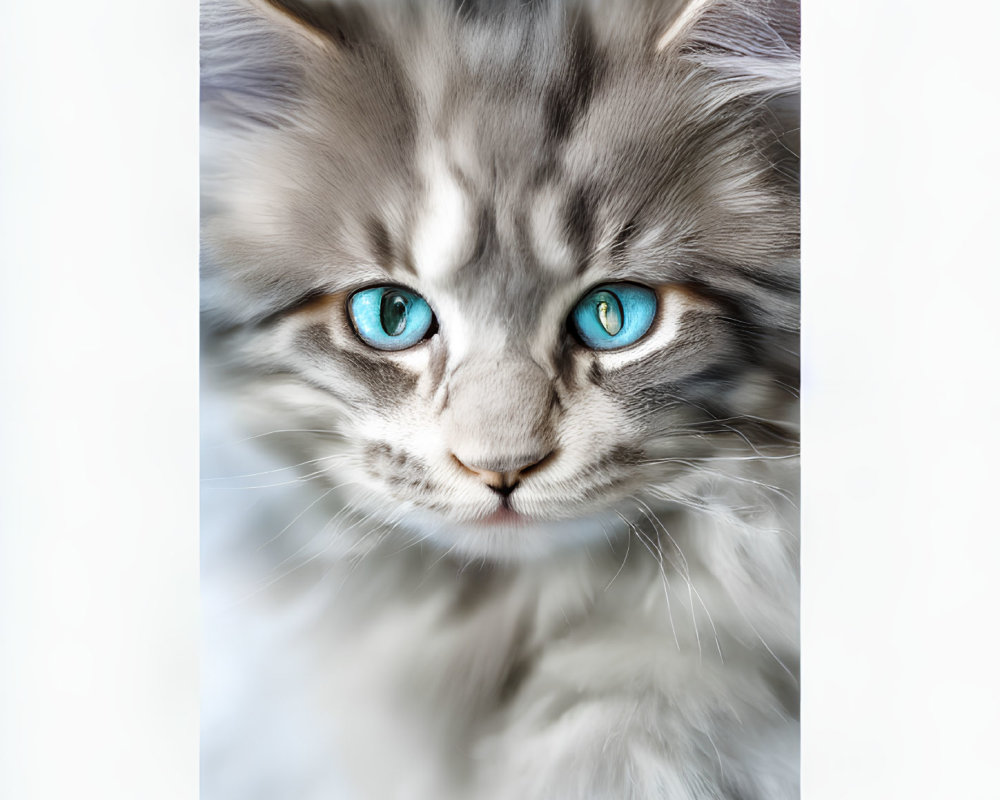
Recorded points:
342,456
685,574
304,510
273,433
300,479
663,575
687,577
689,459
628,548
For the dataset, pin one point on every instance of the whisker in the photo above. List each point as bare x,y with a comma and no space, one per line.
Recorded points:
663,576
232,442
301,479
277,469
304,510
628,548
688,460
737,479
687,576
767,647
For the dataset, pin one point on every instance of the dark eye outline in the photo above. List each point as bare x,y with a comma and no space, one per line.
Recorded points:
640,307
381,344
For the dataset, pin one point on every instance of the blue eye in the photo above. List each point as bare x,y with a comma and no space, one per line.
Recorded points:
614,315
390,318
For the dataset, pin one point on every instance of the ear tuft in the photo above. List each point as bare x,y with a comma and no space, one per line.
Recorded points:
752,43
254,60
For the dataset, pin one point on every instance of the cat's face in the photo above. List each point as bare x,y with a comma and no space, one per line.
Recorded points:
524,272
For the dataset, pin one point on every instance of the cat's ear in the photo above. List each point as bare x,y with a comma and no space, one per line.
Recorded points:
749,49
257,55
752,45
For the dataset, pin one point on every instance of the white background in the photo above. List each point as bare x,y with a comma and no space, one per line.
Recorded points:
98,400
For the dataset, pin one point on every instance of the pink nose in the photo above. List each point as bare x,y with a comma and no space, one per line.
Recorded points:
502,475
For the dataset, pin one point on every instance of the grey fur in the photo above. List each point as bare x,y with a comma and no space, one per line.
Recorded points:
502,159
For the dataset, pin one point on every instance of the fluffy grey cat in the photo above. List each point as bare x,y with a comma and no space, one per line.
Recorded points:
500,368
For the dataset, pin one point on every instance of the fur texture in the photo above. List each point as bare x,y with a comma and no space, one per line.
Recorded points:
621,622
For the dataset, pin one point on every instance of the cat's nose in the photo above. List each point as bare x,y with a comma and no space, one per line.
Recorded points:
499,418
503,476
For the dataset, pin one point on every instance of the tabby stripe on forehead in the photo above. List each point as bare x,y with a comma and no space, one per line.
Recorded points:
623,240
571,95
486,232
465,183
486,237
579,221
381,244
475,10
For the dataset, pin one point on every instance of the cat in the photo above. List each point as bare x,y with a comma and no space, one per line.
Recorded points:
500,334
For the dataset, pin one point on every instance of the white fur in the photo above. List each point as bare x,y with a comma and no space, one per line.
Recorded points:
443,232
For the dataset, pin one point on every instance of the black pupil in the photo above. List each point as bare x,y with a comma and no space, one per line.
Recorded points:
392,312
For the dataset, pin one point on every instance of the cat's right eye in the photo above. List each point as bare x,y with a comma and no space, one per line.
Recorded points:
614,315
390,317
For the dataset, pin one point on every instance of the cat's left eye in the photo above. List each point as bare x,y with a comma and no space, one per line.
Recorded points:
615,315
390,317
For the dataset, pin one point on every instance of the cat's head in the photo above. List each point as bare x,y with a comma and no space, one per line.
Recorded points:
526,263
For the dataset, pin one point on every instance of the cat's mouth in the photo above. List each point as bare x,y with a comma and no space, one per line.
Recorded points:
505,515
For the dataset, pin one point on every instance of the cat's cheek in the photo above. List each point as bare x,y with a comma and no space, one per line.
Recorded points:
595,417
372,381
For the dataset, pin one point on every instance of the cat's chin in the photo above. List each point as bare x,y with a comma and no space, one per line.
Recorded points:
509,536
